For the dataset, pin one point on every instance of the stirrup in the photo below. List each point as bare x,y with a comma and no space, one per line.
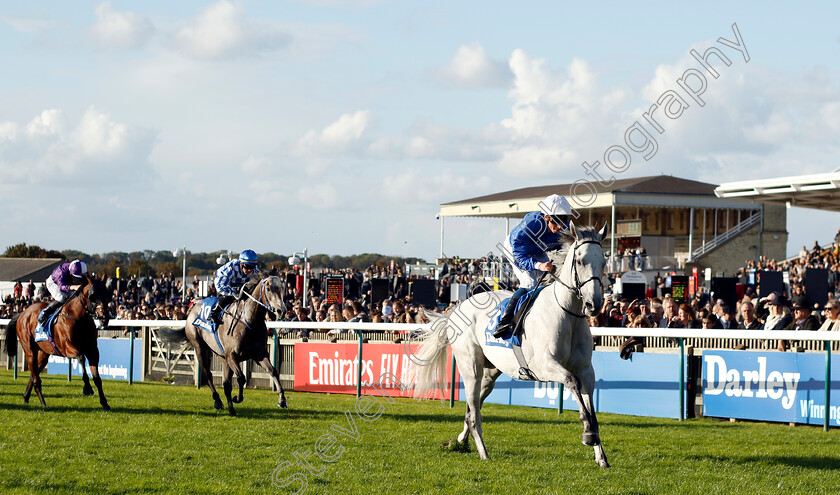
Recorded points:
502,329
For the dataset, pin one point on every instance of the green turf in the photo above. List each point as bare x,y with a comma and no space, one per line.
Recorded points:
162,438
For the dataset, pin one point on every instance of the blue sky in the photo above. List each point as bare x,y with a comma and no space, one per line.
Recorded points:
342,125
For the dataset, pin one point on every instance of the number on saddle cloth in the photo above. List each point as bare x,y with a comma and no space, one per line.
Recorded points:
203,320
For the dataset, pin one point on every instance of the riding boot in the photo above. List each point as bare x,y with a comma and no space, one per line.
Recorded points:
42,318
216,313
506,322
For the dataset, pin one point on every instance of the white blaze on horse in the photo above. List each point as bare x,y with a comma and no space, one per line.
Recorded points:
556,341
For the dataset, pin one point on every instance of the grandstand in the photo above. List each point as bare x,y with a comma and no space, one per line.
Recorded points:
679,222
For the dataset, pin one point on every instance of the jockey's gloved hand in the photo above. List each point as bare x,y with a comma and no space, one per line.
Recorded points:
546,266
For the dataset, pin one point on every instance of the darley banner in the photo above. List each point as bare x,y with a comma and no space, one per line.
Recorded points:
769,386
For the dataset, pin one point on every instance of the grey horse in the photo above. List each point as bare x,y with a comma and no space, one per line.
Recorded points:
242,334
556,341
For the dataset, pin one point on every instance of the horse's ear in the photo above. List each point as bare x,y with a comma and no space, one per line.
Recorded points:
574,230
603,232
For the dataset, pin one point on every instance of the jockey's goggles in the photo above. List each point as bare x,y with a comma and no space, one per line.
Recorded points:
560,220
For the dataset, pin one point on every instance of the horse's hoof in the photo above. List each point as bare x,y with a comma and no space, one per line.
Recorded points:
591,439
604,464
232,412
26,400
218,406
282,404
106,407
88,392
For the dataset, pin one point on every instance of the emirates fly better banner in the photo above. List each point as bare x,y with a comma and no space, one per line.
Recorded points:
333,368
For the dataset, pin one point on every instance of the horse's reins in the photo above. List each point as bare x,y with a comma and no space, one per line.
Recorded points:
80,294
261,298
238,317
578,284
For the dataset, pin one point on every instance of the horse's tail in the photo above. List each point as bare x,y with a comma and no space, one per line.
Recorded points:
428,364
11,336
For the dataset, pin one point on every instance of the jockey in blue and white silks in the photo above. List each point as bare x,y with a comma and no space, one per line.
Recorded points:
525,248
230,278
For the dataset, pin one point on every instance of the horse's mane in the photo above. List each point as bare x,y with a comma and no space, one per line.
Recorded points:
252,281
567,239
256,277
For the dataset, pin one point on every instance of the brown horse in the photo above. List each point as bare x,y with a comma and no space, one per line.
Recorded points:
74,336
242,335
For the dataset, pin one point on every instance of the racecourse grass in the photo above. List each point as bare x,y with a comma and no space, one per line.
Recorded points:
168,439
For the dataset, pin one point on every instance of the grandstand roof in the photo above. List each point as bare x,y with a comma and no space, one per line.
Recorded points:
25,269
657,190
819,191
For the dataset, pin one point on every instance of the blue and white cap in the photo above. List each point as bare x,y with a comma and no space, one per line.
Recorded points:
248,258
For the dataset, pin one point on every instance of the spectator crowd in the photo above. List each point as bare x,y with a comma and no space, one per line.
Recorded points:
160,298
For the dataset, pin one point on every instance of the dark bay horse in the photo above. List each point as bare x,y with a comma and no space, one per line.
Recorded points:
242,335
74,335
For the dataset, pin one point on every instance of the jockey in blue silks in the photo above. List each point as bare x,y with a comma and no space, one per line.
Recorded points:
525,248
64,280
230,278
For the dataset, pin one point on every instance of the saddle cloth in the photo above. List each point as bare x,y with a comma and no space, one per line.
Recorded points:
45,332
509,339
203,320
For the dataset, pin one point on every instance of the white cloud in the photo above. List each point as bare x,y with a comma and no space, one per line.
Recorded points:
342,3
321,196
347,129
96,151
98,135
538,160
256,166
412,187
223,31
267,192
49,123
28,25
471,67
120,29
345,136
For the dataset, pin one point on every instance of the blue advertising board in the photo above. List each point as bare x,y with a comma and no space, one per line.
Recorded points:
769,386
645,385
113,361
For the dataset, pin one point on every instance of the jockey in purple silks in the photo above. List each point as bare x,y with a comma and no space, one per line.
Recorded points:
65,279
525,248
230,278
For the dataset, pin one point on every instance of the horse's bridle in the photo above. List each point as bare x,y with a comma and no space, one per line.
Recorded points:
89,307
262,300
576,277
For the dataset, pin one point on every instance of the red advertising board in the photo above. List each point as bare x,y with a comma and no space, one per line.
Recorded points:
333,368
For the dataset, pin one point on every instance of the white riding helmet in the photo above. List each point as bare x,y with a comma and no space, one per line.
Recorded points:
557,207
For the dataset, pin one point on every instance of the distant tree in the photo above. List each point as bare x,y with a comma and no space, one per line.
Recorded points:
109,268
72,254
169,267
139,268
23,251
